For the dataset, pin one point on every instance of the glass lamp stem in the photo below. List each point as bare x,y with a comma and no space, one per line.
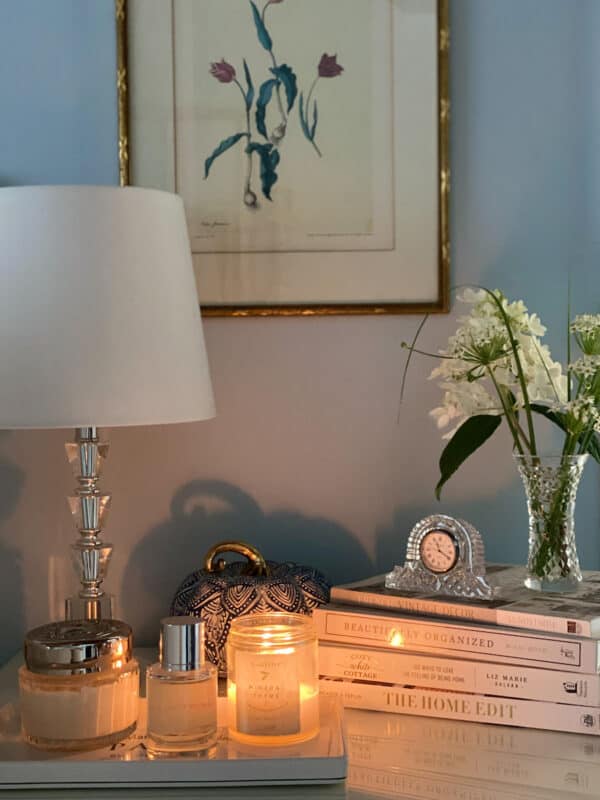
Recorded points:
89,507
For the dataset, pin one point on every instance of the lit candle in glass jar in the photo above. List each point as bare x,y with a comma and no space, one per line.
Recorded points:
272,679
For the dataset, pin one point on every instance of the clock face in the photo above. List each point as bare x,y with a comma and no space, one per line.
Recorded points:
439,551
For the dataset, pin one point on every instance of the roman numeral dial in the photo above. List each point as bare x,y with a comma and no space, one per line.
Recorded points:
439,551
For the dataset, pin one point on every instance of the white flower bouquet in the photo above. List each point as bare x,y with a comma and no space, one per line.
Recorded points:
496,367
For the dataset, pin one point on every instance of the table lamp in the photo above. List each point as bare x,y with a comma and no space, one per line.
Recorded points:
99,327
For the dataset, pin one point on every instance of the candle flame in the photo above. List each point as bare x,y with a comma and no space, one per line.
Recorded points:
396,639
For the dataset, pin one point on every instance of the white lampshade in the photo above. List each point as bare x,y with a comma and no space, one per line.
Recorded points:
99,317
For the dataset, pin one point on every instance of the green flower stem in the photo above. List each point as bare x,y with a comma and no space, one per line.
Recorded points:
547,371
248,186
553,543
406,346
569,335
522,432
520,373
585,440
508,412
278,94
308,99
275,65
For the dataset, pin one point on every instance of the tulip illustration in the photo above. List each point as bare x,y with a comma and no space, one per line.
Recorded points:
222,71
283,75
328,68
278,88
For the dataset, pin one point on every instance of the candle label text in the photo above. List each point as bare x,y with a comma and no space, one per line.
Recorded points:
268,694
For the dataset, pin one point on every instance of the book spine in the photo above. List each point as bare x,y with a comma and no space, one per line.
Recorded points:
439,638
417,605
489,616
390,783
463,706
473,736
426,756
499,680
539,622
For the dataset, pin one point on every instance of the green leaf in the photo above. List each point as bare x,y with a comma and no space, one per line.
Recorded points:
269,159
288,79
468,438
559,419
250,92
264,98
303,120
594,448
554,416
225,145
261,30
313,130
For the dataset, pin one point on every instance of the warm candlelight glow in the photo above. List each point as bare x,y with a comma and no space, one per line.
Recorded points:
272,683
396,639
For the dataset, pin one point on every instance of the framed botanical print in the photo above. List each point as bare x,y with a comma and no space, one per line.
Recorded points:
308,140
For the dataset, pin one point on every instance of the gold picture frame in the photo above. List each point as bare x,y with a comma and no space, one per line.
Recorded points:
440,304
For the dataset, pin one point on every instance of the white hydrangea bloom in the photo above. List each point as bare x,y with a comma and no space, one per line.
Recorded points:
479,358
462,400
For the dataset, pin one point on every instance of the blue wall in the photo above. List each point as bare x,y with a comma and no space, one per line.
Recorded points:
305,457
57,62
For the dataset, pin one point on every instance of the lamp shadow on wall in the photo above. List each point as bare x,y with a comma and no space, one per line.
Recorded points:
12,479
204,512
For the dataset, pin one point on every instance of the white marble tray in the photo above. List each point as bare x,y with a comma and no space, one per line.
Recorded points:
320,761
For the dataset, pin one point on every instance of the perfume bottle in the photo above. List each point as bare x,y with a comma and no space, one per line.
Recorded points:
182,691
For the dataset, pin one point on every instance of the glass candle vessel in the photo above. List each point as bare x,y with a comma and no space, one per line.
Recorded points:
272,680
182,691
79,685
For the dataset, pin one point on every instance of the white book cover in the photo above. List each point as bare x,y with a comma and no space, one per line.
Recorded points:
377,628
422,755
480,677
469,736
574,613
409,786
463,706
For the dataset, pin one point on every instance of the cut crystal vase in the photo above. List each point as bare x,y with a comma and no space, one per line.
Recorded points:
551,487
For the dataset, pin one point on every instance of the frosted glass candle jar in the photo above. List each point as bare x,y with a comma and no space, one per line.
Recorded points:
79,685
272,680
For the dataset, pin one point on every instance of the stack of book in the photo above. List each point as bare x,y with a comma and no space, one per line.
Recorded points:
524,659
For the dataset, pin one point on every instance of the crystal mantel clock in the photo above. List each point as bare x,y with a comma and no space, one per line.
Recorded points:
443,556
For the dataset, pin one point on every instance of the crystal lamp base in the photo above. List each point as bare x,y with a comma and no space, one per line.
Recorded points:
90,608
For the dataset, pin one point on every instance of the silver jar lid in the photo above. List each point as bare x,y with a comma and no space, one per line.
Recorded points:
77,647
181,643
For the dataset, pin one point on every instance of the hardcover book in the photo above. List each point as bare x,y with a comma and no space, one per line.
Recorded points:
376,665
361,627
463,706
576,613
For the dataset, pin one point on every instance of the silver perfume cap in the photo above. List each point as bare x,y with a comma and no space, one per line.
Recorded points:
181,643
77,647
